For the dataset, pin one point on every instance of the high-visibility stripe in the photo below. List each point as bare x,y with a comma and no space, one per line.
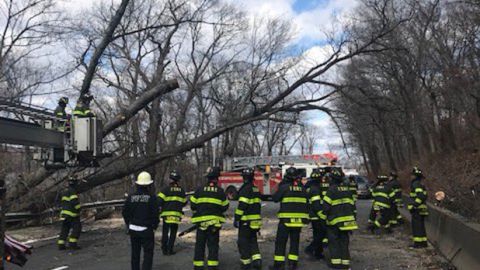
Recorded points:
246,261
413,194
61,242
72,240
336,261
418,200
327,199
321,215
212,263
294,200
419,190
207,218
209,200
315,198
381,204
341,219
294,225
420,239
78,206
256,257
293,215
69,198
175,199
293,257
161,195
346,262
171,213
251,217
68,213
342,201
249,201
380,194
198,263
239,212
279,258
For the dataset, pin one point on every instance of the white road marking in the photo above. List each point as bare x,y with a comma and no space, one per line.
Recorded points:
60,268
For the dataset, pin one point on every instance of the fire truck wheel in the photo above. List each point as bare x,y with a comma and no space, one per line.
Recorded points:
232,193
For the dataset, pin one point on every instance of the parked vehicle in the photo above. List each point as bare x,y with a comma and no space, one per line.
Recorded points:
364,185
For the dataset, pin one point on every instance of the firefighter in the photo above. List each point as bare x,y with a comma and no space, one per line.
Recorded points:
70,216
418,209
140,213
382,202
62,125
248,220
293,215
353,186
171,201
208,204
395,216
82,109
317,218
338,207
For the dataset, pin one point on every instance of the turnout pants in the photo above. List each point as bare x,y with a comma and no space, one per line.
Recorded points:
338,242
248,245
319,233
418,229
70,224
169,234
139,240
283,234
208,237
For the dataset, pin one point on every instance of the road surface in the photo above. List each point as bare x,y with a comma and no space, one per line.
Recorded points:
108,249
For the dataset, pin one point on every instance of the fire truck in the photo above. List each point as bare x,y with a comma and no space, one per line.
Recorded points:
268,171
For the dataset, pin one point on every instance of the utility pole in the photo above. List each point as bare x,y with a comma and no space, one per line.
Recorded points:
3,190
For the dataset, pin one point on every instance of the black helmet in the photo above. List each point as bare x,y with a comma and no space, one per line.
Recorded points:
382,178
317,173
72,181
175,176
290,174
393,174
417,172
213,173
336,175
248,175
63,100
87,97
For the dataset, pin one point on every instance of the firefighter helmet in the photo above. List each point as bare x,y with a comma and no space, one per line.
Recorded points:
417,172
382,178
336,175
72,181
144,179
248,175
393,174
317,174
290,174
87,97
63,100
175,176
213,173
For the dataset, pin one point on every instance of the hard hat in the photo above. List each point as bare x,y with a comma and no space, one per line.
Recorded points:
316,174
63,100
290,174
248,174
213,173
175,176
144,179
336,175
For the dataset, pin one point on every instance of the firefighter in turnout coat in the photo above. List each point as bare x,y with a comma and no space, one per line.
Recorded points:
395,216
383,197
317,218
70,216
248,220
338,207
418,209
171,201
293,215
208,204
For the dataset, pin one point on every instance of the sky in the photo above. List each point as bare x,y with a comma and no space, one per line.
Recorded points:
310,20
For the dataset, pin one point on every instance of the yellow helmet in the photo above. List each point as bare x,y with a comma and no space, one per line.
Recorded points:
144,179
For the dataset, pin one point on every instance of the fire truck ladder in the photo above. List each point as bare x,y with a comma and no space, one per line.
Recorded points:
243,162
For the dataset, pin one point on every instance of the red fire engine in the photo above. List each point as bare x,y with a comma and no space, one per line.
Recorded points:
268,171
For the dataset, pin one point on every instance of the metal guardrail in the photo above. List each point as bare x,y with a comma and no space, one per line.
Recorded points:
24,216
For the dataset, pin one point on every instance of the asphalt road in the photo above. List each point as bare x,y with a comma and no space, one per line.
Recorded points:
108,249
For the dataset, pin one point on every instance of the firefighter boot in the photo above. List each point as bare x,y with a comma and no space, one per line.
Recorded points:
74,246
62,247
292,265
277,266
257,264
245,266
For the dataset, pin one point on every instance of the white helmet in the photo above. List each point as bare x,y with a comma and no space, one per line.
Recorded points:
144,179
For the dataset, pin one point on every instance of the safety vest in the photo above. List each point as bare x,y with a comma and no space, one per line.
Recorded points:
208,205
418,196
382,196
82,111
339,207
314,200
249,206
70,205
171,201
293,200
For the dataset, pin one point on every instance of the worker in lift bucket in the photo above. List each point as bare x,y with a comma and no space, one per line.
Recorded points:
82,109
